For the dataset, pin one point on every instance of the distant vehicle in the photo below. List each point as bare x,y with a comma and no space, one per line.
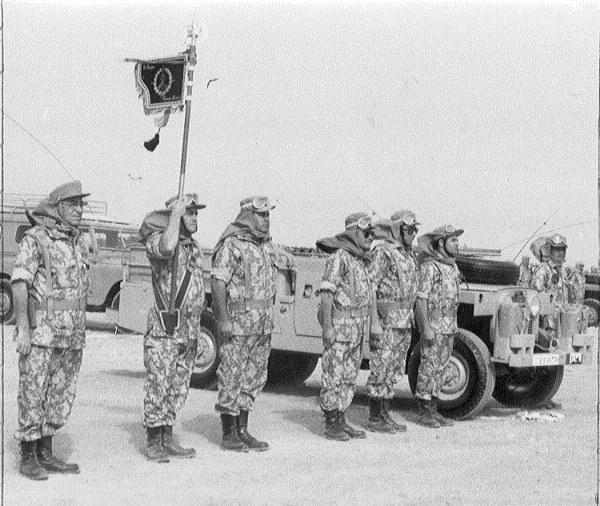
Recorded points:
107,238
592,297
497,352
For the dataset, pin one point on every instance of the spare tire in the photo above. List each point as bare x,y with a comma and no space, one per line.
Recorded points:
489,272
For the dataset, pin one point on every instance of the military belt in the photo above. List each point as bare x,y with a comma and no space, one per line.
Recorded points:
351,312
247,305
387,306
63,304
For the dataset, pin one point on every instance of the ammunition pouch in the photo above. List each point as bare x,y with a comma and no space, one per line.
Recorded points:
358,312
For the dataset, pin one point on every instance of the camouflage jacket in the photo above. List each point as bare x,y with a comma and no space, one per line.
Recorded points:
541,280
249,272
394,275
439,284
346,277
189,258
60,314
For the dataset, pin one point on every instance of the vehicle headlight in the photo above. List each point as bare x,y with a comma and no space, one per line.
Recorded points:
534,305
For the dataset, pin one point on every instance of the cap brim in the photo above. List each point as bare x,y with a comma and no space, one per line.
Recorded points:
78,196
196,206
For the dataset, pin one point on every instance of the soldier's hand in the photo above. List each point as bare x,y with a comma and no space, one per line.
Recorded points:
23,338
428,335
328,335
224,328
178,206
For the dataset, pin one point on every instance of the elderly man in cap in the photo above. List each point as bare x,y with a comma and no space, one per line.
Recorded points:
50,283
394,275
435,312
243,283
347,301
171,339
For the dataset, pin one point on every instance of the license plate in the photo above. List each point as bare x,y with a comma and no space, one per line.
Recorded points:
545,359
575,358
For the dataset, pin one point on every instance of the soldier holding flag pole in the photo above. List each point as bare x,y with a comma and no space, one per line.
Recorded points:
170,342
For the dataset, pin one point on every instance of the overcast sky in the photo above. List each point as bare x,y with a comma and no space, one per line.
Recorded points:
483,115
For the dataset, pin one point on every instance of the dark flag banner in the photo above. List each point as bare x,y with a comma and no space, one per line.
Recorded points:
161,83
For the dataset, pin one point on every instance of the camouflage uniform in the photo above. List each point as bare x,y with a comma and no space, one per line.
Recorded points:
439,284
394,275
576,285
169,360
48,374
550,278
524,272
346,277
248,270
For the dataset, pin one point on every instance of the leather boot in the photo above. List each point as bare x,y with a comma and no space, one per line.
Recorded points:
444,422
333,429
154,447
29,465
231,438
426,418
251,442
51,463
385,414
376,422
348,429
172,447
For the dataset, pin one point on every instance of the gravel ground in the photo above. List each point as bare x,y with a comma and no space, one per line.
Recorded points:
496,458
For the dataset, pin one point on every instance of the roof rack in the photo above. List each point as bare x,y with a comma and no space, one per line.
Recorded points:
27,201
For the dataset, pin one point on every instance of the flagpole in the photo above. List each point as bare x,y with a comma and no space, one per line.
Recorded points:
191,62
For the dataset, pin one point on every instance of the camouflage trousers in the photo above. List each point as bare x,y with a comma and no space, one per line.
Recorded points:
435,356
341,363
47,382
169,367
387,361
242,373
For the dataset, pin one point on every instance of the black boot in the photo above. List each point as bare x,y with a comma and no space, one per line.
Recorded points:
51,463
385,414
351,431
443,421
155,450
231,438
172,447
251,442
376,422
333,429
29,465
426,418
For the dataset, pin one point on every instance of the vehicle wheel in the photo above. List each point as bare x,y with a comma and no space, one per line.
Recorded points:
469,377
490,272
7,313
204,374
290,368
528,387
593,309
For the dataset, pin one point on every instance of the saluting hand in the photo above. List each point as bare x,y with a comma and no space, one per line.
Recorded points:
23,338
178,206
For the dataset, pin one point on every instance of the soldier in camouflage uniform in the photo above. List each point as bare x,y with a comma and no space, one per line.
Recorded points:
50,283
243,281
435,311
394,276
170,352
576,284
345,315
524,272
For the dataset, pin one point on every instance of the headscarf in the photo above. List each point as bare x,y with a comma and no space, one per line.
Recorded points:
46,214
429,253
347,240
243,227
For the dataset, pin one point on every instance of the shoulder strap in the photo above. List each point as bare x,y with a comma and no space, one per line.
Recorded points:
42,238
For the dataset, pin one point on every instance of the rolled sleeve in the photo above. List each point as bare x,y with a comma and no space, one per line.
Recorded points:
153,249
426,280
326,286
224,263
27,261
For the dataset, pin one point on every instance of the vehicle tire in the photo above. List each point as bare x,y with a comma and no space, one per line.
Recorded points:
592,278
286,368
489,272
469,377
204,374
528,387
593,310
7,308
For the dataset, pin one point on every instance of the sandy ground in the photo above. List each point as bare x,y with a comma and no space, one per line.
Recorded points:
493,459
